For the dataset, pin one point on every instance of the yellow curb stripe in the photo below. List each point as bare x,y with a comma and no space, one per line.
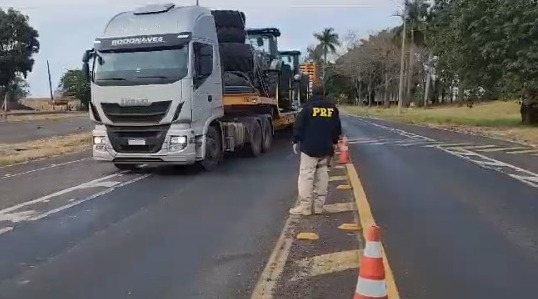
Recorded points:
367,219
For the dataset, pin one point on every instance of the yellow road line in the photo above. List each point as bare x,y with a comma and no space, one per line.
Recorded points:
327,264
343,187
367,219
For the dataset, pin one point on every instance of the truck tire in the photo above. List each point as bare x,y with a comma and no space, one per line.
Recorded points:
231,35
236,57
254,146
229,18
213,150
267,135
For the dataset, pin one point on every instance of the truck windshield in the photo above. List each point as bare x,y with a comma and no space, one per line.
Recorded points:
141,67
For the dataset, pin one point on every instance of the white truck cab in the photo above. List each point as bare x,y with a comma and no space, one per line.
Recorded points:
156,87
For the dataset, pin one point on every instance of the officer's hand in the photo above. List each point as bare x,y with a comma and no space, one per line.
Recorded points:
296,148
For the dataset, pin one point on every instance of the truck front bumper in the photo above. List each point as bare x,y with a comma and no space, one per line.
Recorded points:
178,147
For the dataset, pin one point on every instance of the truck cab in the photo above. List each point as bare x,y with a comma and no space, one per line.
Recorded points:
156,85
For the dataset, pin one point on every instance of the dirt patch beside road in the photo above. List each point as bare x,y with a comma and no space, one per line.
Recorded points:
43,148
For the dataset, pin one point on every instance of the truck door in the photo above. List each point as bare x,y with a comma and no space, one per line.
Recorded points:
204,87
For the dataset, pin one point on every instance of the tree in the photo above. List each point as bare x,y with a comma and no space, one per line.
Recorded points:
18,43
328,41
73,83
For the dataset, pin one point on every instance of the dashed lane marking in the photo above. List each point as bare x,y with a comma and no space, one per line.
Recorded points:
476,147
527,151
501,149
343,187
367,219
327,264
275,266
525,176
12,175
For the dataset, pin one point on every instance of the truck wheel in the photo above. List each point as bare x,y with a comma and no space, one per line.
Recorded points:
254,146
213,150
229,18
121,166
231,35
267,136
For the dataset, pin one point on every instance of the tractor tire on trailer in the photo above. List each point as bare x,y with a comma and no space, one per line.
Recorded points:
270,83
231,35
213,150
229,18
236,57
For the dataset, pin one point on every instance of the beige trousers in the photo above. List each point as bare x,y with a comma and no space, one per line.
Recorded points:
313,180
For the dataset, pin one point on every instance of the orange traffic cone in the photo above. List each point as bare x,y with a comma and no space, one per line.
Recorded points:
343,158
371,283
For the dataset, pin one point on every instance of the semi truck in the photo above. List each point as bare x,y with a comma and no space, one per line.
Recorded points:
182,85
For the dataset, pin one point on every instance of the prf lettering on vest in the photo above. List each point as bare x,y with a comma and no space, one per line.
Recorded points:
322,112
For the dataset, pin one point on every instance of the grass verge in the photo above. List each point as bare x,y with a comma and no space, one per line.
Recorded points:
495,119
43,148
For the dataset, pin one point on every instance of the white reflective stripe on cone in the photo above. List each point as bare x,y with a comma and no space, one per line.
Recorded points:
371,288
373,249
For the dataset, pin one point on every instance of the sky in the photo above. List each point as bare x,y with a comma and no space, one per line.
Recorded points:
68,27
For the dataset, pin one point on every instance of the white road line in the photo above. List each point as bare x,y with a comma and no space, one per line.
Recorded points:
5,229
525,176
61,192
500,149
275,266
528,151
77,202
11,175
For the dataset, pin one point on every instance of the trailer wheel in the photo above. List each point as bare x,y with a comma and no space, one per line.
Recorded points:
213,150
267,135
231,35
229,18
254,146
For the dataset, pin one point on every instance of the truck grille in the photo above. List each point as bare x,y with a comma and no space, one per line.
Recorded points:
153,136
153,113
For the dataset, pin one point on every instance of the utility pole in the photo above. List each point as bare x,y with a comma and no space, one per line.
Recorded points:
402,61
50,86
197,2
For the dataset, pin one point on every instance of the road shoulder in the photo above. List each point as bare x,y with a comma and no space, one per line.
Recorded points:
327,265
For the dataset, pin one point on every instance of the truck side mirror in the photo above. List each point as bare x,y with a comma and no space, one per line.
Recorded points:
85,64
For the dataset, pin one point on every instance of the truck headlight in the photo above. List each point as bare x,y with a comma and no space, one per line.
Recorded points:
99,140
178,143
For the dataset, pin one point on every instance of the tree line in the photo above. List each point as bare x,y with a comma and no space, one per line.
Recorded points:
19,42
455,51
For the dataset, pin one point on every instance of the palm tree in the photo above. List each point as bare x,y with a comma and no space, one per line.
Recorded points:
328,41
416,12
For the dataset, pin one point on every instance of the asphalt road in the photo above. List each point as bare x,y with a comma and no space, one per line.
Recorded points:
457,221
77,229
25,130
